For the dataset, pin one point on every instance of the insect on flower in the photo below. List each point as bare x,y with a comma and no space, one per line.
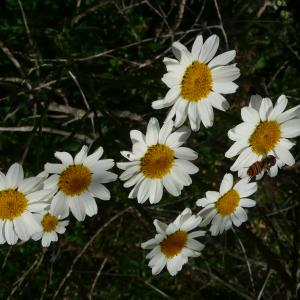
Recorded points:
263,165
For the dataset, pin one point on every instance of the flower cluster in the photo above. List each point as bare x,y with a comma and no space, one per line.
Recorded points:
38,207
197,81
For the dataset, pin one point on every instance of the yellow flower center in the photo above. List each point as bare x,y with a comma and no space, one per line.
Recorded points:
157,162
197,82
75,180
265,137
49,222
227,204
173,244
12,204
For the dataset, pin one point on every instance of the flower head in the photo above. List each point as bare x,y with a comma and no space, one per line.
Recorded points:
196,82
226,207
265,131
157,160
51,225
20,199
174,243
75,182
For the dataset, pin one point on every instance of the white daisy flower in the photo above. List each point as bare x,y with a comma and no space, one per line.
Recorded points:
174,243
77,181
265,131
227,206
19,199
196,82
157,160
52,224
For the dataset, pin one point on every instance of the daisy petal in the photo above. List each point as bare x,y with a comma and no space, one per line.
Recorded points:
65,157
171,186
99,191
250,115
193,115
245,202
77,207
225,73
94,156
284,155
165,131
255,102
9,233
137,136
206,112
197,46
186,153
278,108
54,168
90,205
224,87
179,137
152,132
291,128
222,59
209,48
265,108
289,114
14,176
226,183
81,155
181,53
218,101
237,148
187,166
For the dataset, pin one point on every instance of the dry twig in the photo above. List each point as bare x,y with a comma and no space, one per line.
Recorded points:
90,296
87,245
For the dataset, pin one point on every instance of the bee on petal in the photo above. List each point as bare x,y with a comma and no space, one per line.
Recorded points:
263,165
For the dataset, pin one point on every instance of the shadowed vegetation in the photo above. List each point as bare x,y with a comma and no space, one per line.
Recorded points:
86,72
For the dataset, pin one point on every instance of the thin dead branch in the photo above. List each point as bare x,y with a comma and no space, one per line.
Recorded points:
77,136
221,23
87,245
90,295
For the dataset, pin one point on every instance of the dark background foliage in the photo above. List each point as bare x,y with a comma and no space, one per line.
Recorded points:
85,72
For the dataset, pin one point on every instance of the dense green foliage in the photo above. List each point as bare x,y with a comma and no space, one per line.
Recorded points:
76,72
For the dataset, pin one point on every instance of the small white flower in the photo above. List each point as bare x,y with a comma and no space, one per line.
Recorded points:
226,206
157,160
77,181
265,131
52,224
19,199
197,81
174,243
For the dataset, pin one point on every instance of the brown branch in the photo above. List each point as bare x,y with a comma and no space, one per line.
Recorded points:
221,23
34,266
77,136
90,295
104,53
45,85
87,245
84,100
233,287
246,257
271,259
264,285
25,23
88,11
12,80
180,14
17,65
